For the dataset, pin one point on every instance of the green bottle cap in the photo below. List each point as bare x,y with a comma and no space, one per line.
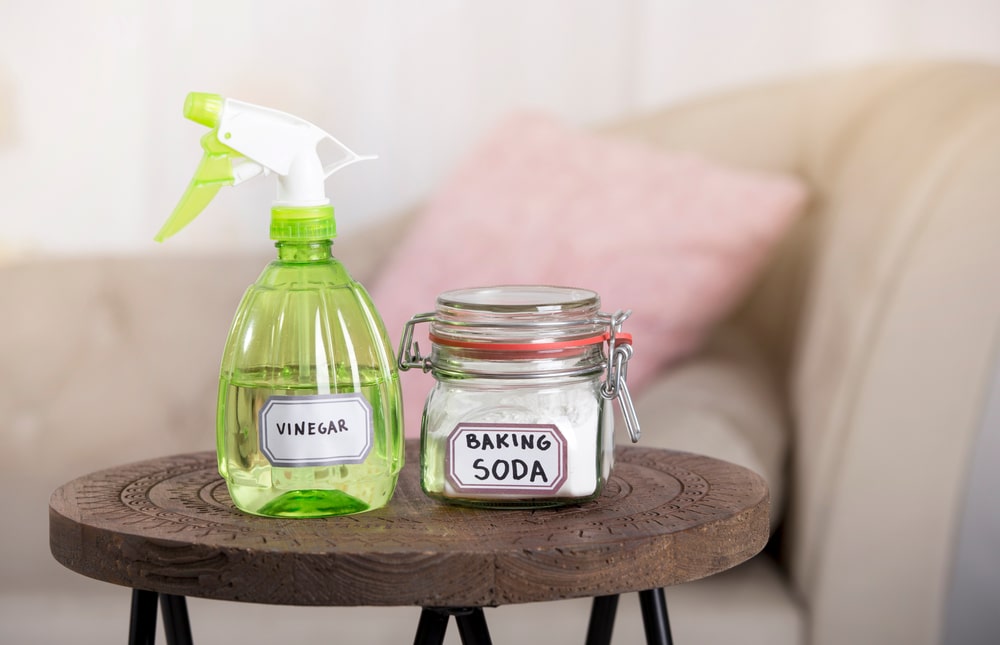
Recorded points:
302,223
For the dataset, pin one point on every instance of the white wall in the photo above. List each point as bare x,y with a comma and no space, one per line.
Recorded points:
94,151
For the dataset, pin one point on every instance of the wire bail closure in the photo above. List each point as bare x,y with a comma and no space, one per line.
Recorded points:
614,387
409,356
619,351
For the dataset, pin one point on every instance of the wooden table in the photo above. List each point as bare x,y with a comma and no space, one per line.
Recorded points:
168,529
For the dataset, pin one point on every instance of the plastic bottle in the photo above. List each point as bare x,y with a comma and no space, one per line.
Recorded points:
309,412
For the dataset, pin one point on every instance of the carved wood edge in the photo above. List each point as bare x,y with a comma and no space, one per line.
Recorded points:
168,525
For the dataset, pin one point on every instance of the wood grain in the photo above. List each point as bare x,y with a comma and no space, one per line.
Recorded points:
168,525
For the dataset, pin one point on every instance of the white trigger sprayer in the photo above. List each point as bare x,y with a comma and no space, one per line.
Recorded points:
247,140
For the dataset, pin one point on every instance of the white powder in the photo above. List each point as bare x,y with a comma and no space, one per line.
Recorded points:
576,409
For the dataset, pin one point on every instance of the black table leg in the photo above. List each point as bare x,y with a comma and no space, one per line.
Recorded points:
602,620
432,627
434,623
472,627
142,624
654,617
176,625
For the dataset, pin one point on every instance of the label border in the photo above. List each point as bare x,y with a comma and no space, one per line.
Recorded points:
498,490
309,399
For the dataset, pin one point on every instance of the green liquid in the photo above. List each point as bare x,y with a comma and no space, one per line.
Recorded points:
305,491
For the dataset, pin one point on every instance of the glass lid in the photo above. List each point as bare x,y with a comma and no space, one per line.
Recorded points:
518,313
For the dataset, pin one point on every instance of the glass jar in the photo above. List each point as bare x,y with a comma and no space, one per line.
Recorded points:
520,414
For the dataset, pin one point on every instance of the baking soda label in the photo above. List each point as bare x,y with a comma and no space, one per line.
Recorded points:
317,430
505,458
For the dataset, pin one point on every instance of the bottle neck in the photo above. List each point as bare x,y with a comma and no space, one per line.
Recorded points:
303,252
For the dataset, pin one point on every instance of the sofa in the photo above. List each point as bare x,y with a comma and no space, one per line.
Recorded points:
859,374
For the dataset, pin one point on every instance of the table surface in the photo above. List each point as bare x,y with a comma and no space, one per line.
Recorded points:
168,525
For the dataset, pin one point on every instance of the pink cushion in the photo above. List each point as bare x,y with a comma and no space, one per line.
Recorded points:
676,238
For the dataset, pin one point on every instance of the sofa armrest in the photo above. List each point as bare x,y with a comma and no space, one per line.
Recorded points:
723,402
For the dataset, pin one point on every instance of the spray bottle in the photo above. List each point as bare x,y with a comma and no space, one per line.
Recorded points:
309,416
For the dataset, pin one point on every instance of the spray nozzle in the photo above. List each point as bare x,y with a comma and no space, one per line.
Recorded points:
247,140
203,108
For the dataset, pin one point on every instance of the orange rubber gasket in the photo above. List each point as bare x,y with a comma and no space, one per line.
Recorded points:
624,339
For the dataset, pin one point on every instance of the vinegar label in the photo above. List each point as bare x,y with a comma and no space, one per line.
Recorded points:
316,430
505,458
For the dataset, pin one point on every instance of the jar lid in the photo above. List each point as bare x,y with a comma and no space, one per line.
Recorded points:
518,317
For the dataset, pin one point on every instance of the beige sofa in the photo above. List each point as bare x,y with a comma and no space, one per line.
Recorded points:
860,377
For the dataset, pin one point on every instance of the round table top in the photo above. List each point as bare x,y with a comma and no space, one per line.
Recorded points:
168,525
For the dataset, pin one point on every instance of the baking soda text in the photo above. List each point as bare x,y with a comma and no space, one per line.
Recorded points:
500,440
506,458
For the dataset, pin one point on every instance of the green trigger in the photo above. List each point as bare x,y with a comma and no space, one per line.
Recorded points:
214,171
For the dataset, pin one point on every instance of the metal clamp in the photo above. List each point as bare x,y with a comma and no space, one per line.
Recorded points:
409,350
614,386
